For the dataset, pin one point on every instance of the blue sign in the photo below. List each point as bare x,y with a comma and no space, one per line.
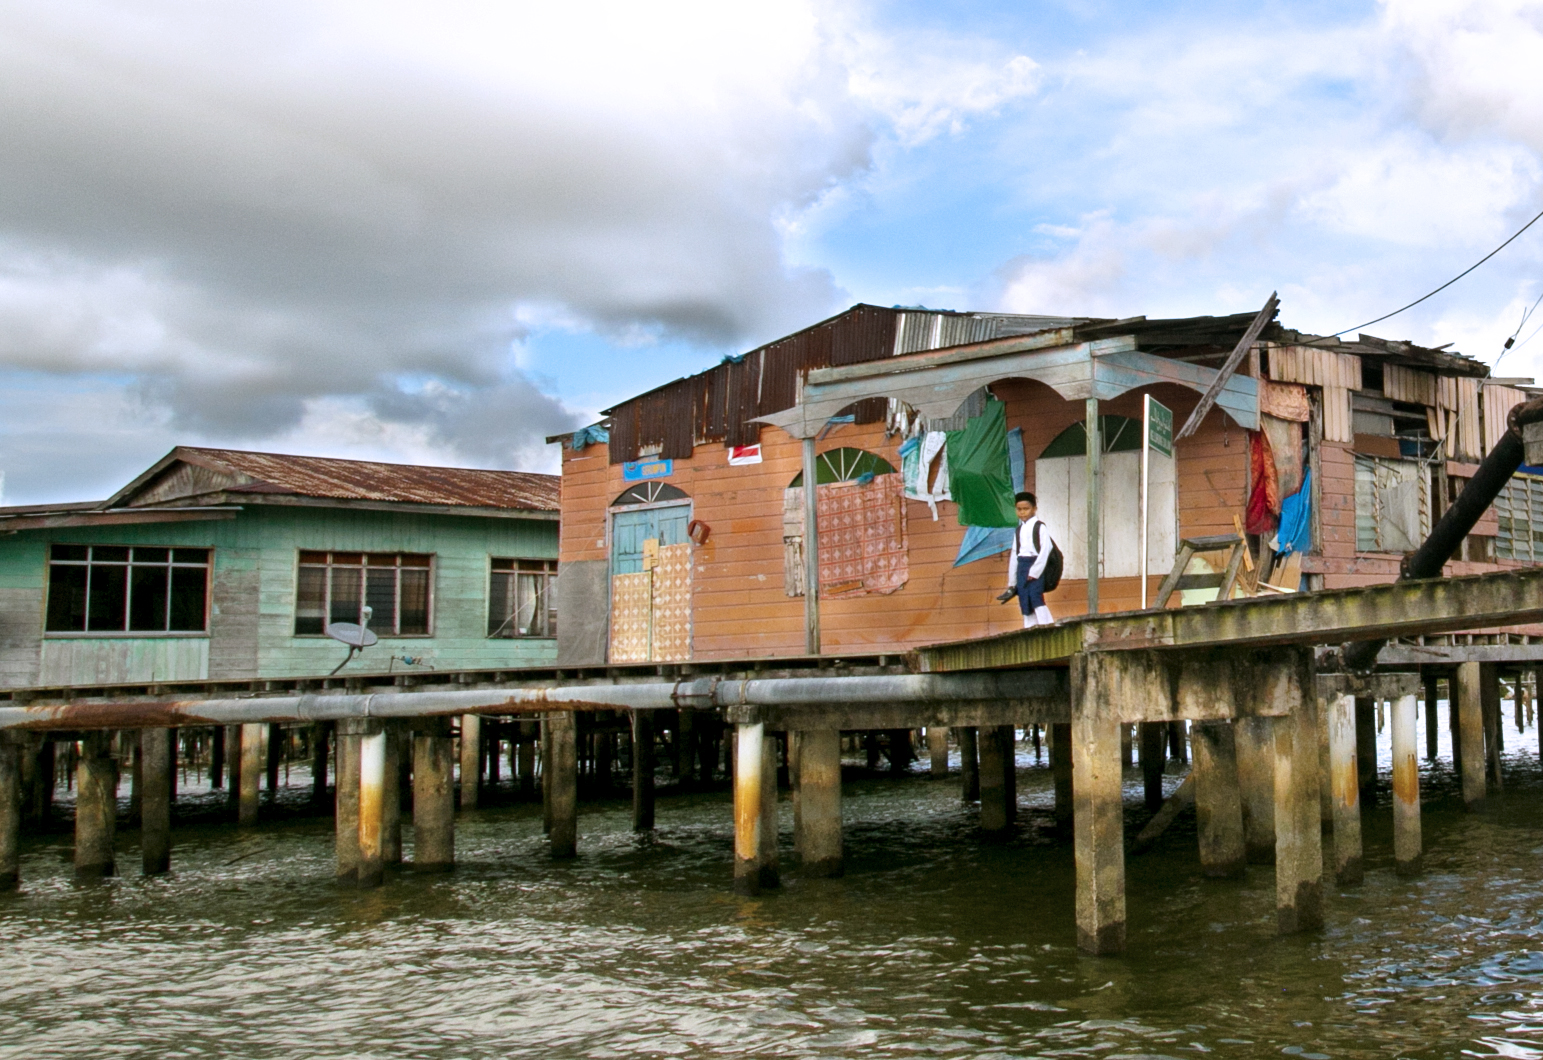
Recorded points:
638,470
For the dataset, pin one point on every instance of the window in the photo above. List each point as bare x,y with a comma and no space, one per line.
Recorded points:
1520,508
1392,505
844,465
522,601
649,493
338,586
118,589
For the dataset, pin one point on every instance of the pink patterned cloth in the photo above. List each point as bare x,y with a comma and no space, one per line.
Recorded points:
862,536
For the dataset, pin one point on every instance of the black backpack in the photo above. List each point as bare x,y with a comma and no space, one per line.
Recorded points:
1054,564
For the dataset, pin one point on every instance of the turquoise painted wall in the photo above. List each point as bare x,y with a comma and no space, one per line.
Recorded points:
252,621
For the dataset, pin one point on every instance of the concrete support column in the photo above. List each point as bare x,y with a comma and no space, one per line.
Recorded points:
1298,831
346,817
1366,748
969,763
818,791
433,797
1154,737
1256,781
1099,830
1344,790
1406,788
233,765
155,774
391,798
96,807
1218,802
251,771
1062,769
11,748
372,800
1470,731
471,760
748,792
642,771
937,747
563,793
993,780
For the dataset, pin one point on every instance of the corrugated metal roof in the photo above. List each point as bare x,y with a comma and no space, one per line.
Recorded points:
365,480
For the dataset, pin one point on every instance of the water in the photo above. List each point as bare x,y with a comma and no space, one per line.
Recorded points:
936,943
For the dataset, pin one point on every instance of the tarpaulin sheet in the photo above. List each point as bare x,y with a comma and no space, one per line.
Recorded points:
1296,525
979,475
982,541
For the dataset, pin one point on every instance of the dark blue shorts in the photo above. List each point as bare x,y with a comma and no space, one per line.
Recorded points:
1031,591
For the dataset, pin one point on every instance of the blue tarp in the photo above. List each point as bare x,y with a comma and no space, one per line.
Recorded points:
982,541
586,436
1296,524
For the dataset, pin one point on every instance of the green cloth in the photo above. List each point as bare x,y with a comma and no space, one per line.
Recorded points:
979,474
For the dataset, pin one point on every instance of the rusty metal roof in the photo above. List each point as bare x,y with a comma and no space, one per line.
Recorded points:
359,480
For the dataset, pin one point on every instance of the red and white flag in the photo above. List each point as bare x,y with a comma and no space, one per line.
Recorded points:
745,454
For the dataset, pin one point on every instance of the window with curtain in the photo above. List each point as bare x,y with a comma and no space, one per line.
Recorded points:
397,587
522,598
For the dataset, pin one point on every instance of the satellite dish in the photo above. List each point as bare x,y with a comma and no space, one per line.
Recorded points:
355,636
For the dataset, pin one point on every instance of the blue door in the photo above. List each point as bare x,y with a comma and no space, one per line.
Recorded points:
630,529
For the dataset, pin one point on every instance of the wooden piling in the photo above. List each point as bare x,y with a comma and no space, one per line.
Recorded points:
770,869
525,767
1099,830
1256,783
11,751
642,771
346,816
969,763
372,780
1366,749
563,797
96,807
748,766
233,765
1298,832
937,748
1432,693
818,822
320,731
1154,735
433,796
1489,698
1470,730
155,773
251,771
1061,772
1406,788
217,758
275,759
1218,802
471,760
391,798
1345,790
993,780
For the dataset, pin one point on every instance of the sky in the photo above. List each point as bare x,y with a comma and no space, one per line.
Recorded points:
438,233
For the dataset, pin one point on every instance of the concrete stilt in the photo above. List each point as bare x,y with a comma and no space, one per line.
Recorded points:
372,781
1061,770
563,769
233,765
1256,782
818,822
1366,749
771,875
96,807
1218,802
1431,693
155,773
433,797
11,749
642,771
346,822
969,763
1470,731
937,747
1298,831
251,771
391,798
1489,698
1154,736
1010,774
1099,831
1406,788
993,781
1344,790
748,766
471,760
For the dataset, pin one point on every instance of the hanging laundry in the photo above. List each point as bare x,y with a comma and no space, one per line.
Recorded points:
983,541
1296,524
933,483
1264,496
980,476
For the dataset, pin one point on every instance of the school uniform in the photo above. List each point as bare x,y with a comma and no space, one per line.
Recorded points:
1026,569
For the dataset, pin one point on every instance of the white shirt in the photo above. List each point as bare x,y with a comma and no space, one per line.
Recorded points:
1024,547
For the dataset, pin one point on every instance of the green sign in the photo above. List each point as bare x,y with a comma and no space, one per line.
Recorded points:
1160,428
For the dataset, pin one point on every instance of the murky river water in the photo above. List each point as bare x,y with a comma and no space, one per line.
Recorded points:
934,944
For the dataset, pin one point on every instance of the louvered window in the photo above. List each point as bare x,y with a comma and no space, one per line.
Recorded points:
1392,504
1520,508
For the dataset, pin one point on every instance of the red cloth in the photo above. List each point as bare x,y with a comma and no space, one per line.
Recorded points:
1264,494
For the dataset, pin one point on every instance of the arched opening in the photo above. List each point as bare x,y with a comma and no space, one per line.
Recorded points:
845,465
1120,434
649,493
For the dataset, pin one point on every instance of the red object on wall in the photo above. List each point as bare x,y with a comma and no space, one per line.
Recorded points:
1264,492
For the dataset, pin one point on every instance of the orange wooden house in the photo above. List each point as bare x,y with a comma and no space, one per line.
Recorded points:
683,518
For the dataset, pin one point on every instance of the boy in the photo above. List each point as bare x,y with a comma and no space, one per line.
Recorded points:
1026,562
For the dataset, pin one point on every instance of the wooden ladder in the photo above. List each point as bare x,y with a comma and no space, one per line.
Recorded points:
1226,581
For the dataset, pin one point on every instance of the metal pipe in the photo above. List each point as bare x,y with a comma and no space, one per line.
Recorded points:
811,552
701,693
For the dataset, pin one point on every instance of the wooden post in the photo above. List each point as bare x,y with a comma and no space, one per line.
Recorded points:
1298,832
1406,788
251,771
1062,770
11,749
391,797
1094,460
1345,790
434,797
1218,802
1366,748
319,738
899,752
96,807
937,747
770,870
346,816
527,760
1431,694
233,766
642,771
1470,729
564,792
1154,737
217,758
372,779
1489,697
818,822
1127,747
1099,828
748,765
155,772
811,551
1256,781
993,781
969,763
275,752
471,760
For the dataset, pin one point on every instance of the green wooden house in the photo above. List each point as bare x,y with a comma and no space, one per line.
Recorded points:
218,564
